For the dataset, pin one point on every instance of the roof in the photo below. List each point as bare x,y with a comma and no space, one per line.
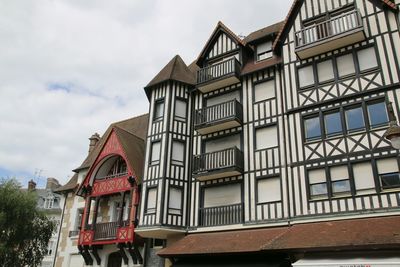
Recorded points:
175,70
253,66
70,185
296,7
374,233
136,126
264,32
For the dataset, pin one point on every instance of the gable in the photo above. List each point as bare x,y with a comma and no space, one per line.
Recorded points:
222,45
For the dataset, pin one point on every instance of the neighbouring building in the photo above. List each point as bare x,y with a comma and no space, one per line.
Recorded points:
270,150
50,202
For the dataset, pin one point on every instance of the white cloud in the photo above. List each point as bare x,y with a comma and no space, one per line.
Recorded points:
69,68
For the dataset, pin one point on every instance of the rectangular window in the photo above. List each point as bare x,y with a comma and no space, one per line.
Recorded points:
317,182
268,190
180,109
312,128
345,65
78,220
377,114
178,149
159,110
155,153
175,200
339,180
367,59
223,143
388,170
266,137
363,176
215,100
333,123
325,71
355,119
264,51
306,76
151,200
222,195
264,90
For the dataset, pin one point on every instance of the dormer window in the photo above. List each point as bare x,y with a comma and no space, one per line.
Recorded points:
49,202
264,50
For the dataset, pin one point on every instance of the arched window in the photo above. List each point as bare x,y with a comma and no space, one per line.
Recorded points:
112,167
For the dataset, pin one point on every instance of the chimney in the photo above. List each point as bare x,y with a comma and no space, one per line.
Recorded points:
52,183
31,185
93,141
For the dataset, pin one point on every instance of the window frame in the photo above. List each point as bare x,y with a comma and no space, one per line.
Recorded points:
269,79
146,210
374,102
259,179
308,117
177,117
270,125
156,162
177,211
257,54
156,103
174,161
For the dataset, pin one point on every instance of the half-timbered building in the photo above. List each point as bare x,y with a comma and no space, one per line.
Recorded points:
270,149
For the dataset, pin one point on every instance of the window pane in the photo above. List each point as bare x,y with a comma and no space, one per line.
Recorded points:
339,173
363,176
325,71
264,90
377,114
316,176
341,186
177,151
269,190
345,65
222,195
312,128
175,200
222,143
266,137
333,123
318,189
155,152
180,108
151,200
223,98
264,50
355,119
159,110
389,165
390,180
306,76
367,59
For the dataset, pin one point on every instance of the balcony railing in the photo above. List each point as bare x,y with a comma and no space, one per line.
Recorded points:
221,215
218,164
107,230
219,117
344,29
112,176
225,72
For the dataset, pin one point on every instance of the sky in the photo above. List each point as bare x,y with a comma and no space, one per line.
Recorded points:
69,68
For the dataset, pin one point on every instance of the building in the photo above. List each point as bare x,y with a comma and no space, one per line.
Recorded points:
50,202
270,150
102,199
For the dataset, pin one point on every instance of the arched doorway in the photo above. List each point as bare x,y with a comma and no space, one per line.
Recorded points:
114,260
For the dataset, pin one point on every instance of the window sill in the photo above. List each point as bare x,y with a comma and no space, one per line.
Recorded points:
391,190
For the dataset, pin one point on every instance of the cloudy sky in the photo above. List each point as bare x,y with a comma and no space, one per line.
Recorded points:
69,68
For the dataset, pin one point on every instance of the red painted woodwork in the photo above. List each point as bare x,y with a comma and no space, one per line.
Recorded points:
125,234
86,237
110,186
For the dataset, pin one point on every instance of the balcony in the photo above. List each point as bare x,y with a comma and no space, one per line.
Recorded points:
218,117
106,230
334,33
218,75
218,164
221,215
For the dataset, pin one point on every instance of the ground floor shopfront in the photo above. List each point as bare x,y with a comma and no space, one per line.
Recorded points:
364,242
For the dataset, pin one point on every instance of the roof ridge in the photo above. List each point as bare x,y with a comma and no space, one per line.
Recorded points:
119,128
116,122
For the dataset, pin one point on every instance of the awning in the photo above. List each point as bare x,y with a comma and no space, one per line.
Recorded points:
384,260
368,233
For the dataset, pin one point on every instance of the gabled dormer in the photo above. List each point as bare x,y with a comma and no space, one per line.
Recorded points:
220,60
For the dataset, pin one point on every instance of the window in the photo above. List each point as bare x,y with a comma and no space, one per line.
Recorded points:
264,90
78,221
178,149
266,137
363,176
268,190
151,200
325,71
333,123
317,182
175,200
377,114
388,170
48,202
223,98
264,51
155,153
355,119
222,195
222,143
345,65
180,109
50,248
339,180
159,110
306,76
312,128
367,59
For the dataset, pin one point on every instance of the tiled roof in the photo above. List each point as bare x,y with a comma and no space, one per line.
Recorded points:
69,186
373,233
175,70
261,33
253,66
